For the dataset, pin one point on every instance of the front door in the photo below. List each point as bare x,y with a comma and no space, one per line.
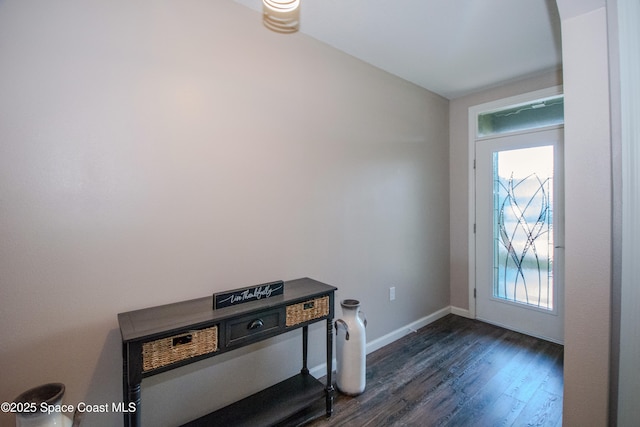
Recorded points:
519,233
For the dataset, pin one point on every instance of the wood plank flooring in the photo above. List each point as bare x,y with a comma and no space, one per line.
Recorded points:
454,372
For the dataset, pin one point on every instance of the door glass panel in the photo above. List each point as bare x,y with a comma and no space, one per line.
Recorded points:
523,226
532,115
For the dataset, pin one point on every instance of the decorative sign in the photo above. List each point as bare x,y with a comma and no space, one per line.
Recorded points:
239,296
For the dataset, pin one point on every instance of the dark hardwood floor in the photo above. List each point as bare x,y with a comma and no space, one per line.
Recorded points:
455,372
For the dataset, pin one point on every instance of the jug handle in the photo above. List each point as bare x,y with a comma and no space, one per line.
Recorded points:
77,417
364,318
346,328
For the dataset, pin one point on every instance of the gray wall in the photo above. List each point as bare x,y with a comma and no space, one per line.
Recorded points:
153,152
588,209
625,24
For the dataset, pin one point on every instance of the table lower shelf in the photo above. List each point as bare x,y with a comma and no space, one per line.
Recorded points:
267,407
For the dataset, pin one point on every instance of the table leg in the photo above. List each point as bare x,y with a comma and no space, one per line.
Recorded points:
329,389
305,347
132,419
131,383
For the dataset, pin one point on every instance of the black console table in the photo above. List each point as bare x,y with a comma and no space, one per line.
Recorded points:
162,338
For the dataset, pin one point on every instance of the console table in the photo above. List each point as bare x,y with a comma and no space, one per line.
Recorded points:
162,338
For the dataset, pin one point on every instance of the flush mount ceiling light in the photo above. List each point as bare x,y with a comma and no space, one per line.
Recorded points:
282,5
282,16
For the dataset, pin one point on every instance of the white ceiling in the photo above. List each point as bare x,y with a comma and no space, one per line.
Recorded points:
451,47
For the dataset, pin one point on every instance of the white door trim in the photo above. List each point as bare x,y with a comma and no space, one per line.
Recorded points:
474,111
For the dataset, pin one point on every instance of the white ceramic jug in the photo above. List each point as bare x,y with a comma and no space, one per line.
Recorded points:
351,369
39,407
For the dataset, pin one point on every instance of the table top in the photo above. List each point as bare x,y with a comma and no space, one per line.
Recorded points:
163,319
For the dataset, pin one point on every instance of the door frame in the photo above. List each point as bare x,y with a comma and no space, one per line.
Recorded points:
474,111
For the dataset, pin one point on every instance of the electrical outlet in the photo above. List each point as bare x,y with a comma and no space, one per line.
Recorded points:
392,293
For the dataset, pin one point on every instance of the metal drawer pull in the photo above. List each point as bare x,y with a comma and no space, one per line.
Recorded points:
256,324
186,339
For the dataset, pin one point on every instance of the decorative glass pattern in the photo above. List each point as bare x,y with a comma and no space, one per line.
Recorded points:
532,115
523,226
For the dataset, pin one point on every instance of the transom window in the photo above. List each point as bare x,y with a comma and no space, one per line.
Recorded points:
532,115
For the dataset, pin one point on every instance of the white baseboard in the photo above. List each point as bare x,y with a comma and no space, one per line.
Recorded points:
522,331
321,370
406,330
461,312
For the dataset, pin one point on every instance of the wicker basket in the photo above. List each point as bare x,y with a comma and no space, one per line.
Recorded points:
165,351
307,310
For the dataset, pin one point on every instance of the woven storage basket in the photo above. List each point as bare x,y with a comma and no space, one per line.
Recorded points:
165,351
307,310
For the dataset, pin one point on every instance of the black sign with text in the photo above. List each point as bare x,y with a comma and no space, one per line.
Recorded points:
239,296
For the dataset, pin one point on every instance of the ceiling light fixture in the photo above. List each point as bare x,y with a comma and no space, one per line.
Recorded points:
282,16
282,5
